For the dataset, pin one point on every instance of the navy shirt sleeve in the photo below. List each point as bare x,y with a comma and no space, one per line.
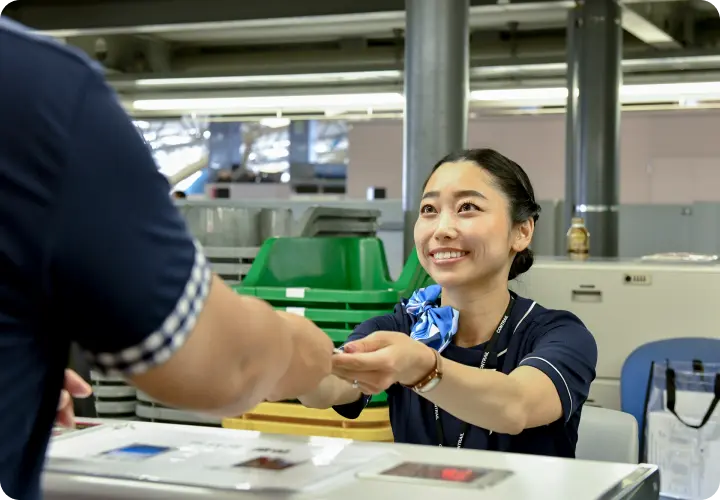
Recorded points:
124,275
387,322
564,350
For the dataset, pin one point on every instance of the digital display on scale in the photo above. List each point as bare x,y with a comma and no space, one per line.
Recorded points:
437,472
267,463
461,476
85,425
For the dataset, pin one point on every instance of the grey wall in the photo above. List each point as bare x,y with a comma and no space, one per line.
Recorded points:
666,157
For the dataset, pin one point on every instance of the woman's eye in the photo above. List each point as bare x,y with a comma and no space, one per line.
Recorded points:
467,207
427,209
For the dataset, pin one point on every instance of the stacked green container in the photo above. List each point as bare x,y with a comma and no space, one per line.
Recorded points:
336,282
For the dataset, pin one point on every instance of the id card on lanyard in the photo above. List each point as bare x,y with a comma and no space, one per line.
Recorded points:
488,362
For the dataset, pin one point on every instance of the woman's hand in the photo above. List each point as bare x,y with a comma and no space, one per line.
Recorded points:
74,387
383,359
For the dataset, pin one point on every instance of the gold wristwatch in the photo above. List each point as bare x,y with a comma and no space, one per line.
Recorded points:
432,379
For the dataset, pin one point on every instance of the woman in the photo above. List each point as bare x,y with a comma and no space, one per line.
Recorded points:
476,221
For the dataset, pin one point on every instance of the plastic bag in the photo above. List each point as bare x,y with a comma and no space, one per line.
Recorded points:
682,428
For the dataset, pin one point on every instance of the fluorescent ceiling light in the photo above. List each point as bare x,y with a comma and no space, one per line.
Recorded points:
348,76
628,93
519,94
676,62
339,103
275,122
268,103
698,88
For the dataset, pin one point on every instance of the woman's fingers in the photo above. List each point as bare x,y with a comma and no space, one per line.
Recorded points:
367,383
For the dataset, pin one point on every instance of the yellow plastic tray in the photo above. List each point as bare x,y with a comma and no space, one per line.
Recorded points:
294,410
290,418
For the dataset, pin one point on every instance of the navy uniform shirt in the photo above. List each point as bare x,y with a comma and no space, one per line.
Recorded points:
92,249
554,342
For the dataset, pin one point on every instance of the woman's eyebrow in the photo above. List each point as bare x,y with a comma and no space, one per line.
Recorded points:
464,193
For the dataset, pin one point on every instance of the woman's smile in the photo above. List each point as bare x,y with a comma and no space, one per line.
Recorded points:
447,256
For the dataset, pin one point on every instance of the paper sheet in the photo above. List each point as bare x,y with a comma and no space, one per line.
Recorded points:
237,460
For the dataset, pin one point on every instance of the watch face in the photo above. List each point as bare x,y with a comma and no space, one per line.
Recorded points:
430,385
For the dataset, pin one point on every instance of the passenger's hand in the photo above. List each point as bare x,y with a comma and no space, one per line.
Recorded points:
383,359
310,363
74,387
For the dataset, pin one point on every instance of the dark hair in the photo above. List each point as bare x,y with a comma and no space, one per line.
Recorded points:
514,182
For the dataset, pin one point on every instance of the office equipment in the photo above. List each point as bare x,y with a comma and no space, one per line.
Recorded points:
153,461
625,304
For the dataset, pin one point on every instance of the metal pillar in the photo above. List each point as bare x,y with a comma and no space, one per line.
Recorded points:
593,120
300,135
436,94
572,144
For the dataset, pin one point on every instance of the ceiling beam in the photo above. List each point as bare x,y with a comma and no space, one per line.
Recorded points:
647,31
258,20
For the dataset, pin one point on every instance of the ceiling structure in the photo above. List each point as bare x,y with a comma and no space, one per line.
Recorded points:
179,49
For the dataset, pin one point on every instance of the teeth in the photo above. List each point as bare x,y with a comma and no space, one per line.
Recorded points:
448,255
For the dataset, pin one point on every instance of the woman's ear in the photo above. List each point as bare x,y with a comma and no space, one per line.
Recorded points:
523,235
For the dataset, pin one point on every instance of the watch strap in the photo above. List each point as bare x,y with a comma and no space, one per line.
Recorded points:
435,373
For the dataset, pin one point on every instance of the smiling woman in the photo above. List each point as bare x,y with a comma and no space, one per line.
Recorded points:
466,362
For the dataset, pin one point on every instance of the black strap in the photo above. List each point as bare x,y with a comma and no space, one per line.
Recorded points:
490,362
671,386
642,452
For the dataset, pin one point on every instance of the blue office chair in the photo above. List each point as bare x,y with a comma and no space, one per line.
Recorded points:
635,373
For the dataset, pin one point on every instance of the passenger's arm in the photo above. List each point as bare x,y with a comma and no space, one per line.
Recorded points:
233,358
128,283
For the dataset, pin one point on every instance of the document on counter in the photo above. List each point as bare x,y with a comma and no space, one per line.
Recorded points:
206,457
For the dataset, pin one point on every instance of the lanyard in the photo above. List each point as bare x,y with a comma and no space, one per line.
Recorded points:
489,361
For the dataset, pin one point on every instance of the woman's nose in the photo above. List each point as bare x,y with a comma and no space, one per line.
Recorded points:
446,227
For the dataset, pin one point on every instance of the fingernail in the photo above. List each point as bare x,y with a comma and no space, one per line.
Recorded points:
349,348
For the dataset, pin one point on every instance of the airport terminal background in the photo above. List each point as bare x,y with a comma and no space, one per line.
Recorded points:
321,119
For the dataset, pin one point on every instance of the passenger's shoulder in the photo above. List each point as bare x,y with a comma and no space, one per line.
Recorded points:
19,37
28,55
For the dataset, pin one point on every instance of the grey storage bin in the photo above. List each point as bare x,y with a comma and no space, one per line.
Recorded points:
222,225
229,263
275,222
148,409
334,221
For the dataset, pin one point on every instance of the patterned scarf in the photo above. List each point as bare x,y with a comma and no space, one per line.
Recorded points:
434,326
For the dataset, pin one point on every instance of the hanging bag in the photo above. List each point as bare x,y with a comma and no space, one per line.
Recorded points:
682,428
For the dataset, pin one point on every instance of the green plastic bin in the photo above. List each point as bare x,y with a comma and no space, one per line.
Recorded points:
329,273
321,270
335,318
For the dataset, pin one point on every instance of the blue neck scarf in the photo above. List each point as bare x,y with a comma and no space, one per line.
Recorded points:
434,326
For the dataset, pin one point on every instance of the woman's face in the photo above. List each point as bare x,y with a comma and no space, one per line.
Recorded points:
464,232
